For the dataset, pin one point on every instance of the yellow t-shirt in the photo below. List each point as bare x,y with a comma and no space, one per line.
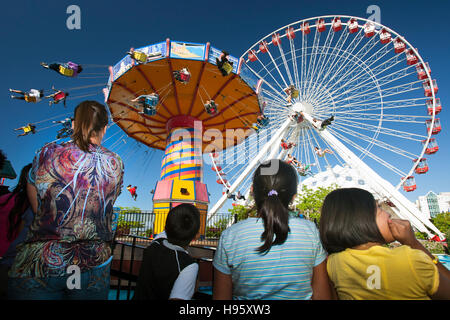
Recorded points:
381,273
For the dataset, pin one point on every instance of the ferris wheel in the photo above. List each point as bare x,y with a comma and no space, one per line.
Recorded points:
339,90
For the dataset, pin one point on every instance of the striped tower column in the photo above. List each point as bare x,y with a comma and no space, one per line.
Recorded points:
181,172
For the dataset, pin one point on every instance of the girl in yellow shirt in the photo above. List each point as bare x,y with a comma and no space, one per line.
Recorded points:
353,229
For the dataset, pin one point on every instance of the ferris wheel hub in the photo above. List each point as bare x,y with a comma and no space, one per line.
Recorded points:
303,107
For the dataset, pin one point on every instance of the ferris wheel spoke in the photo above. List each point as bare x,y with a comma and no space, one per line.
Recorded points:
294,62
331,63
342,59
313,151
373,106
324,54
338,159
384,130
386,117
288,71
366,48
384,80
378,143
378,55
276,66
265,81
312,62
312,139
387,92
303,64
275,100
369,154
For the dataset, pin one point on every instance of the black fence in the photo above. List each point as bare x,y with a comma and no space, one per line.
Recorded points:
141,225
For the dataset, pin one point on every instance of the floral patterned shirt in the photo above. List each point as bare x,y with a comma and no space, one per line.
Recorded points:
74,223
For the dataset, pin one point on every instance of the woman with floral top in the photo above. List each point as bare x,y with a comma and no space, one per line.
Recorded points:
73,187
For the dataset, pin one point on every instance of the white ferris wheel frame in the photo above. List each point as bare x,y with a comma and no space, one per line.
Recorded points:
385,190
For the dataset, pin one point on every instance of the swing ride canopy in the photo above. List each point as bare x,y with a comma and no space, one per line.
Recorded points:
237,100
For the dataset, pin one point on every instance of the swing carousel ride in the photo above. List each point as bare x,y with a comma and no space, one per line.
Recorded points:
319,92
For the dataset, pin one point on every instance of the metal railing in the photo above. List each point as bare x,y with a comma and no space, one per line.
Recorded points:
142,225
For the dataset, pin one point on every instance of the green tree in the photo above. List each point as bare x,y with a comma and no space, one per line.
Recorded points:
442,221
124,225
309,201
242,212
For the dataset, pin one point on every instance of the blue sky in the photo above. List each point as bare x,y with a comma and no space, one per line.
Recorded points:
35,31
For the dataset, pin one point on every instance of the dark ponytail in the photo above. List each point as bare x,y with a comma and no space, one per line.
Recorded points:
274,185
90,118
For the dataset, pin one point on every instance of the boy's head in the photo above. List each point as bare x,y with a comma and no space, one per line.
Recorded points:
182,224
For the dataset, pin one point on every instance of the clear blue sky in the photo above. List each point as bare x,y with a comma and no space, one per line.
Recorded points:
35,31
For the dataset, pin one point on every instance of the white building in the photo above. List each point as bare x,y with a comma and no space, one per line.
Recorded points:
431,204
344,177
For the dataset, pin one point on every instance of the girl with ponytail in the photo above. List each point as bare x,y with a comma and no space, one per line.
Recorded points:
273,256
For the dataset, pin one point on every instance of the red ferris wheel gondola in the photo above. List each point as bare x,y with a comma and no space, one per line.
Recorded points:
252,56
263,46
411,58
321,25
421,71
305,28
409,184
290,33
385,36
432,146
399,45
276,39
427,88
436,126
352,25
337,24
438,106
422,166
369,29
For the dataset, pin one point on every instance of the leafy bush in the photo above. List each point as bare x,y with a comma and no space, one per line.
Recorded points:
309,201
421,235
147,233
434,247
442,221
216,230
124,226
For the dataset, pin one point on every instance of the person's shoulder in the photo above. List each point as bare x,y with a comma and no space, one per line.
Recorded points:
302,223
111,154
239,226
412,254
47,148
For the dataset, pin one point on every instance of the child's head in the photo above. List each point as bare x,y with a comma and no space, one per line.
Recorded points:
182,224
274,186
349,218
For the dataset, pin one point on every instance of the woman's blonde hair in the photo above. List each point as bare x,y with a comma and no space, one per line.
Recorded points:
91,118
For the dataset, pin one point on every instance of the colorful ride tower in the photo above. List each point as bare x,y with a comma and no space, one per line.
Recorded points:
185,77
